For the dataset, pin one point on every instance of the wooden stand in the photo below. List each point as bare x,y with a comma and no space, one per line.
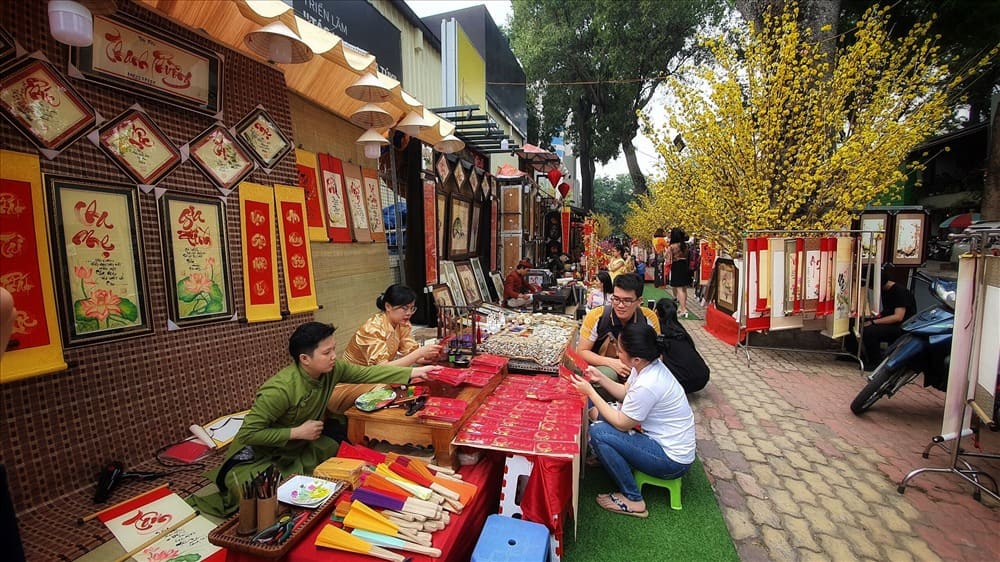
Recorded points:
394,426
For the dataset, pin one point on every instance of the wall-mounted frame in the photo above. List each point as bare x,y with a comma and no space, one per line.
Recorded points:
138,146
872,243
43,105
8,47
265,141
477,269
449,275
127,56
474,183
729,286
497,285
470,288
218,154
458,227
100,269
355,189
442,295
908,241
474,228
196,256
443,168
442,224
460,175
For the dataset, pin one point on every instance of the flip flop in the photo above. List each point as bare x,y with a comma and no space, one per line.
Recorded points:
621,506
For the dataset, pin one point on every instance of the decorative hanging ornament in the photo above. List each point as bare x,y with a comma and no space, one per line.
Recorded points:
555,174
563,187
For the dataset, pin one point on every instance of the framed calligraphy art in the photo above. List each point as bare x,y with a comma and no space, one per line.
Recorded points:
264,139
729,286
458,228
441,220
449,275
470,289
443,168
430,231
220,157
909,240
260,253
307,165
196,256
25,271
460,176
477,269
442,295
100,267
137,146
474,182
356,203
872,236
8,47
127,55
497,285
300,284
43,105
331,173
373,201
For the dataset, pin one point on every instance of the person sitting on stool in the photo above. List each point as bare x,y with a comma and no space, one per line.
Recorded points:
898,305
516,290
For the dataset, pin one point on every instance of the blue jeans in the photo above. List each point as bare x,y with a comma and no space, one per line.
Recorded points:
621,451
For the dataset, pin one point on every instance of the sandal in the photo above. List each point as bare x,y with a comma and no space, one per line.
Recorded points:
592,460
620,506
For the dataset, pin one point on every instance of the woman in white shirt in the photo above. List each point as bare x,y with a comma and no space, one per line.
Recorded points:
664,445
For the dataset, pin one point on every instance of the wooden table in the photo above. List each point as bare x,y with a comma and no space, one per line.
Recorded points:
394,426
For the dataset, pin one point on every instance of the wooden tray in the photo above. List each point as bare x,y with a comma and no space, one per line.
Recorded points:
225,534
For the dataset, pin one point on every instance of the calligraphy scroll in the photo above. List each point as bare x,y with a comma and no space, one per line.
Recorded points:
300,285
838,323
356,203
811,277
100,267
756,319
708,255
196,251
781,317
430,234
373,201
331,173
260,253
307,166
494,211
25,270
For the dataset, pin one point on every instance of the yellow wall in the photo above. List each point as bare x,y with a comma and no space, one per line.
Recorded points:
348,276
421,60
471,73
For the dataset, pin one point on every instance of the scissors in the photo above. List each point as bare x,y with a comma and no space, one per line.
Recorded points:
280,531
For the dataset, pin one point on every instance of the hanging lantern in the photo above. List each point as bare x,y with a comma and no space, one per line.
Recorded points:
555,174
563,188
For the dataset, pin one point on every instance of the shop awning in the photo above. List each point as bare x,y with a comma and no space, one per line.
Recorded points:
323,79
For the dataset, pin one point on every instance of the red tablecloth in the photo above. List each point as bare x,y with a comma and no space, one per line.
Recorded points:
486,474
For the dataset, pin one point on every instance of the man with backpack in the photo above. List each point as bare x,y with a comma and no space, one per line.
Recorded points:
601,326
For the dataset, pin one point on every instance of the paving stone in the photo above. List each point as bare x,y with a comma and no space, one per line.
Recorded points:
837,548
735,461
753,454
919,549
853,502
869,493
784,502
878,531
800,491
708,449
742,439
897,555
718,427
832,475
893,520
819,520
729,495
798,461
763,512
777,544
810,556
765,475
740,524
800,533
813,455
860,543
752,552
726,443
768,447
782,468
718,468
749,485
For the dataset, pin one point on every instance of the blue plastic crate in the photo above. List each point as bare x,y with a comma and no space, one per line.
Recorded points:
505,539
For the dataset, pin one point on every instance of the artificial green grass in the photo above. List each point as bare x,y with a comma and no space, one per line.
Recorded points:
697,532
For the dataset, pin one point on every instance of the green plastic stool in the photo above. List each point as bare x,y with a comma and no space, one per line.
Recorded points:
672,486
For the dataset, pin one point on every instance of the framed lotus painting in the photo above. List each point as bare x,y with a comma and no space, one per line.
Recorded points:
99,262
196,256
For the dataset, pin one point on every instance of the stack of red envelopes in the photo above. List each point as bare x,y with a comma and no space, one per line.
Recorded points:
443,409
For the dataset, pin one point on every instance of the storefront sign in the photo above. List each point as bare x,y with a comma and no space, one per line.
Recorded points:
25,270
260,253
160,65
197,257
359,24
296,252
100,266
138,147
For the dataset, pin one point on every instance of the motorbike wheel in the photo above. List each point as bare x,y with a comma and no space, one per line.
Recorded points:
882,380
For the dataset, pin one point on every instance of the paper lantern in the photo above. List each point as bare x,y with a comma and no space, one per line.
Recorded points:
563,188
554,176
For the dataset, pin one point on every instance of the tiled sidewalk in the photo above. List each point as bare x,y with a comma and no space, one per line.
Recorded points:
799,477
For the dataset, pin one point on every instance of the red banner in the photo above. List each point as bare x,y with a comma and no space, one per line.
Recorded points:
260,240
565,230
430,233
331,173
295,249
707,262
19,271
306,164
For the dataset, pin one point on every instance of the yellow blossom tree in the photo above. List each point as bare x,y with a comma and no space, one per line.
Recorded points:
775,136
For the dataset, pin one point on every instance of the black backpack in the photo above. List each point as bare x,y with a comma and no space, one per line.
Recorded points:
688,367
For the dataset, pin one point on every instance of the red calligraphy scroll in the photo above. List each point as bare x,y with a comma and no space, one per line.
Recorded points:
331,175
306,164
300,287
430,233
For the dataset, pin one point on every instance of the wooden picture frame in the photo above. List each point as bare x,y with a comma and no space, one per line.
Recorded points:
217,153
872,244
909,239
177,72
262,137
354,187
8,47
99,263
477,269
460,176
449,275
474,182
474,229
196,259
44,106
470,288
138,146
458,227
443,168
442,222
441,294
497,280
729,286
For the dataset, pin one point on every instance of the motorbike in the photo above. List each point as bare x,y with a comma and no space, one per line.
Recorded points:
939,250
924,347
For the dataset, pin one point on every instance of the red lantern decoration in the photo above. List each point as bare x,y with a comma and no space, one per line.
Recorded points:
563,189
555,174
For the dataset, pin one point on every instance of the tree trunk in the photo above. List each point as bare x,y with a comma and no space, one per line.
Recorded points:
991,186
582,117
638,179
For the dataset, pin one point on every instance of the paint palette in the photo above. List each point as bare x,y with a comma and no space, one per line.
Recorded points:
305,491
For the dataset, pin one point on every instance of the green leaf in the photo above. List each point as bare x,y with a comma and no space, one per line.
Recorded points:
129,310
84,323
183,294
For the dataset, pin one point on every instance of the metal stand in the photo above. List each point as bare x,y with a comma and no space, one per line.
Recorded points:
745,275
968,473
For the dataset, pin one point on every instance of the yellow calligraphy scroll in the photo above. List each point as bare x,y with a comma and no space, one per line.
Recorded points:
260,253
308,167
36,332
296,254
